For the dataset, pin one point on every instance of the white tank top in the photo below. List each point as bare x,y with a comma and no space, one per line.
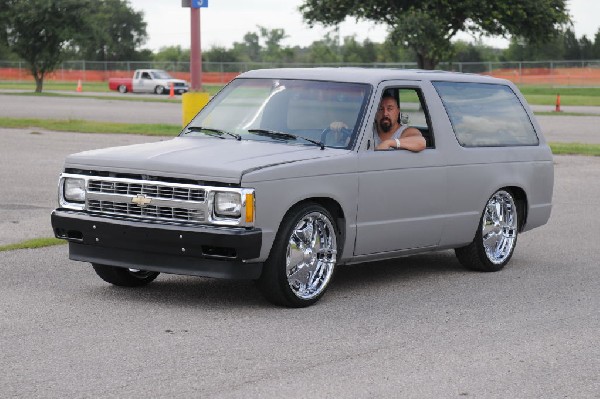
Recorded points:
396,134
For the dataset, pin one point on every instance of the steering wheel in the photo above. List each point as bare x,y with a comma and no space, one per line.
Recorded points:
340,137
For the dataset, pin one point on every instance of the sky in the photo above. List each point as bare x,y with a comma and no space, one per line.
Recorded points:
226,21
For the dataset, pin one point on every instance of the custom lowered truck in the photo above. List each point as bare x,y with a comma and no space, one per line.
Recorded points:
148,81
278,179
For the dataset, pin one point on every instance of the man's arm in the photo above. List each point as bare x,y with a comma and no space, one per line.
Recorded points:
411,140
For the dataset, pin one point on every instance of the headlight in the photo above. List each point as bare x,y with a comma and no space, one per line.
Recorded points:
74,190
228,204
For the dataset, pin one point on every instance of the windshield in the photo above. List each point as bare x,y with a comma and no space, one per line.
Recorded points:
161,75
296,112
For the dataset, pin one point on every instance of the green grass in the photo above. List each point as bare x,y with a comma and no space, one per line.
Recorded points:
575,149
538,95
571,91
83,126
88,87
544,99
562,113
94,87
117,97
34,243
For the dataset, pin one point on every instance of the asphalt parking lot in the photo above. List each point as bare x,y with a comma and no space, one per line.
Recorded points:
416,327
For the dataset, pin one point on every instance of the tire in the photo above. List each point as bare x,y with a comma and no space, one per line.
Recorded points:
122,89
496,236
124,277
303,257
159,90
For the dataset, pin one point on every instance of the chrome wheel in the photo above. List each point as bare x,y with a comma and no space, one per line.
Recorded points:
499,227
303,257
311,255
496,236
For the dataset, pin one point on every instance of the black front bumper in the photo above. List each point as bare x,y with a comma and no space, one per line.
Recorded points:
189,250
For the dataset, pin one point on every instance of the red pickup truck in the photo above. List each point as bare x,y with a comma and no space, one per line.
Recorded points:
148,81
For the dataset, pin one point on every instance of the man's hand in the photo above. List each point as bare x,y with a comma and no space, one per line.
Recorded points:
338,126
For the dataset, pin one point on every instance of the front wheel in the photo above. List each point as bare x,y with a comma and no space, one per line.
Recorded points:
124,277
496,236
303,258
159,89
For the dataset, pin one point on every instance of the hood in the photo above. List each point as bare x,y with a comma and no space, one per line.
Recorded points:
175,80
198,158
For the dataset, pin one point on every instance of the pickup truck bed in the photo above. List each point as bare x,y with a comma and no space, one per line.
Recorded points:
123,85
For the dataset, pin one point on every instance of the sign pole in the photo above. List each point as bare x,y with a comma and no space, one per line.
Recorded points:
195,100
195,51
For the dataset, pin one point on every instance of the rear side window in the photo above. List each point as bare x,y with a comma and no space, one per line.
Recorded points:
486,115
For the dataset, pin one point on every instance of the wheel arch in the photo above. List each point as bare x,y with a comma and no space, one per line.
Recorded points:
522,204
333,207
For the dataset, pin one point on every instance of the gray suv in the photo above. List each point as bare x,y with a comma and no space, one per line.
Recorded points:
260,185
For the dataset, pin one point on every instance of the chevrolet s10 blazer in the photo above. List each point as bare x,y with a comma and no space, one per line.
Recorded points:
278,179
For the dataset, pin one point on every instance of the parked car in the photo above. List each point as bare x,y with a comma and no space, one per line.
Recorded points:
259,186
149,81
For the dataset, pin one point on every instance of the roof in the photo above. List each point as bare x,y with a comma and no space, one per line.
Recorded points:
368,75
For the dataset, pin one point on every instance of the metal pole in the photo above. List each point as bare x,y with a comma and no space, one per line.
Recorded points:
196,51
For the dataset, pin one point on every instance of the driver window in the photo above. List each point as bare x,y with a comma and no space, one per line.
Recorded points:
146,75
411,113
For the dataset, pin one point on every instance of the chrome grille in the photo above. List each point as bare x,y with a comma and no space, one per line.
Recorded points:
169,201
162,191
149,211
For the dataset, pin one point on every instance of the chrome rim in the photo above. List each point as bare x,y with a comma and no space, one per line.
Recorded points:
311,255
499,227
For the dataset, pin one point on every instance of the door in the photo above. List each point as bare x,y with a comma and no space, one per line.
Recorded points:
401,193
142,82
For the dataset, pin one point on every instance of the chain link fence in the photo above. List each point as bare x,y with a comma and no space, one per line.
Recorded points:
553,73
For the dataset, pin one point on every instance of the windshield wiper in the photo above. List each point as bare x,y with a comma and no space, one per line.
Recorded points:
216,132
285,136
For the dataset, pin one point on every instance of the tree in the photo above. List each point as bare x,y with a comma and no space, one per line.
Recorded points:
466,52
427,26
521,50
39,31
571,45
596,47
325,51
355,52
115,33
249,49
587,48
274,51
264,45
172,54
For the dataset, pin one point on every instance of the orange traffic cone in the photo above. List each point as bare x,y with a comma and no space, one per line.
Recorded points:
79,88
172,92
557,109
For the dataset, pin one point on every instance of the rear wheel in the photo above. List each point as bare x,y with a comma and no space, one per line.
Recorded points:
496,237
124,277
122,89
303,258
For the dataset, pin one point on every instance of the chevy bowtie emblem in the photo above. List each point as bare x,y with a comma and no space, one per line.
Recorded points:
141,200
